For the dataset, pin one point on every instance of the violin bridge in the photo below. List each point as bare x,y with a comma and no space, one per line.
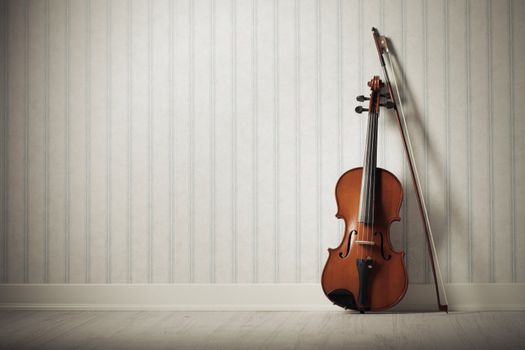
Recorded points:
366,242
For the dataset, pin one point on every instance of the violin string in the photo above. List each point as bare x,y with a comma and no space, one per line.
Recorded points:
367,187
366,221
367,215
364,192
369,180
361,218
370,183
369,174
363,197
373,177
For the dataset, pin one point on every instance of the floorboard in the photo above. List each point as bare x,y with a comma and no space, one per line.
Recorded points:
260,330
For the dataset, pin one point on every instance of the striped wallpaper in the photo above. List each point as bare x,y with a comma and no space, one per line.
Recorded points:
200,141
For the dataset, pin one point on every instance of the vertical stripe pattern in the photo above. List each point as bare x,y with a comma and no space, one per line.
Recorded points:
319,132
87,130
108,141
276,144
255,179
5,158
150,142
67,189
446,85
297,141
276,75
469,137
425,112
512,136
129,142
491,140
47,87
27,126
212,143
171,160
234,140
191,167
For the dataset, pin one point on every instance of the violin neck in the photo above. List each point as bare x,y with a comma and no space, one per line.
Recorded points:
367,198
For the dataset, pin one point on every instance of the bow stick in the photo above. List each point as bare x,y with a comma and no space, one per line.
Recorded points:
383,52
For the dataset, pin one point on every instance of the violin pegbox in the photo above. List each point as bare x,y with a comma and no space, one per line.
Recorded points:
380,97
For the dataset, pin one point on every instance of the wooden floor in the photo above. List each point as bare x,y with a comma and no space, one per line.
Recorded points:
260,330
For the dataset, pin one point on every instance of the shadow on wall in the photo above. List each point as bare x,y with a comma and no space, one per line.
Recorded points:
416,126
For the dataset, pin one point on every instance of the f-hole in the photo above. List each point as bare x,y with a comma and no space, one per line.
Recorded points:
382,247
348,245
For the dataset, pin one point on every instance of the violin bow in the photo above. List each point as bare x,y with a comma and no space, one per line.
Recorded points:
383,52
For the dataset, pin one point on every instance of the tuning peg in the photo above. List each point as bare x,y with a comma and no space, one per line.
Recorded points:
362,98
388,104
360,109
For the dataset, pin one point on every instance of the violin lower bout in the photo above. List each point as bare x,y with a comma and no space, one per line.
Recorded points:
349,279
386,281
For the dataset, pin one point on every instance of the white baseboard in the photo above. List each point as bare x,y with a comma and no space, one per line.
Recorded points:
252,297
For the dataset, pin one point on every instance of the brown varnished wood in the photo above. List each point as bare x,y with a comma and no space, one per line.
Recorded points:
388,281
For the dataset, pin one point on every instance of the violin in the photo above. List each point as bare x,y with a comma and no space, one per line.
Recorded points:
364,273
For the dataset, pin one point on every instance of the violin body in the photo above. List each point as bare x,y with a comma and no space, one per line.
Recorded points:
387,280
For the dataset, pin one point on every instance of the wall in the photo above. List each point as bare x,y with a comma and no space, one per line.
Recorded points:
200,142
